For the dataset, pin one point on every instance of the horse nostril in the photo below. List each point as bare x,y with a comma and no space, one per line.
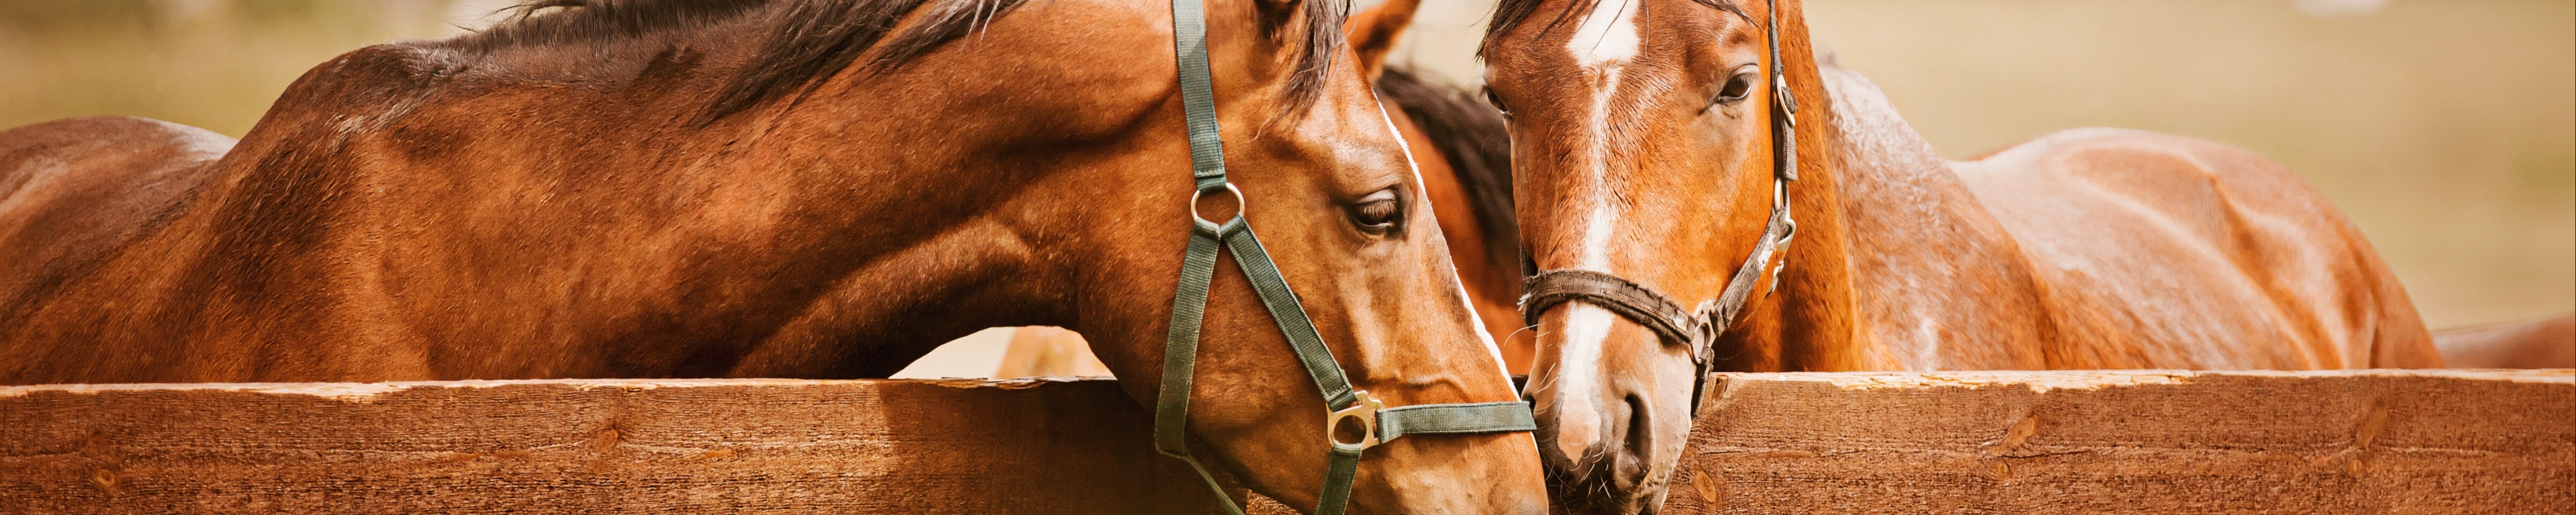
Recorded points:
1640,435
1637,420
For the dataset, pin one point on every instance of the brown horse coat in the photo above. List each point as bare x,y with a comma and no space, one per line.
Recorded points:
1464,158
772,188
78,189
1643,142
2142,250
2544,343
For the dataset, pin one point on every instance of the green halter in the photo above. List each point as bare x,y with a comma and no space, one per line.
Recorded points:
1189,305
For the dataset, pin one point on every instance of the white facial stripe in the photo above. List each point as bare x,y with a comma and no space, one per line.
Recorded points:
1478,322
1596,235
1578,374
1608,35
1604,43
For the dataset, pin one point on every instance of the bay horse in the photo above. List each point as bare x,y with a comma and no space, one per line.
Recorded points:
1458,144
1463,156
779,188
1665,151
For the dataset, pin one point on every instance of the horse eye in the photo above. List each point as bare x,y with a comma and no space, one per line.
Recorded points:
1497,101
1377,212
1737,87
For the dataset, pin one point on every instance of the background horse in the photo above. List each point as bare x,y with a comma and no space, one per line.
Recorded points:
1644,143
789,188
2544,343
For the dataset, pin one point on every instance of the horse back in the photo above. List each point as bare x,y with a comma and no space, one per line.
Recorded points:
2209,256
73,191
2545,343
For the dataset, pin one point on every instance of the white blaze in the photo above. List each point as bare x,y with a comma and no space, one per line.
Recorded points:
1604,43
1608,35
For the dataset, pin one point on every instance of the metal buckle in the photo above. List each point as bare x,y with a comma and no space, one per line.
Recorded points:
1780,96
1194,203
1780,194
1365,409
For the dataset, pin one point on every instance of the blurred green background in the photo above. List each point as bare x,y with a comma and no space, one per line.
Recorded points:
2447,130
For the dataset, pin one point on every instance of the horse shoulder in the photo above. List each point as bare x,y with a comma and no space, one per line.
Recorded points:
2206,248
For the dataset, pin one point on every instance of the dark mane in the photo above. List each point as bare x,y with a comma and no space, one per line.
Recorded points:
1512,13
1472,136
804,41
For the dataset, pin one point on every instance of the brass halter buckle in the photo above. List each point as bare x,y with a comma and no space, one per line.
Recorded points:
1364,409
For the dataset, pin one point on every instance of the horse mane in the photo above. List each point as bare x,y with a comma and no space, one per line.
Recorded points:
1474,138
1512,13
805,41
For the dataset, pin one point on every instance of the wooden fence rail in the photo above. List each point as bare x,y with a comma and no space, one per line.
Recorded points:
1999,442
587,447
2147,442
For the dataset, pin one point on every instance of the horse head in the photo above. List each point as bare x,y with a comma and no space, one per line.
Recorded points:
1090,132
1652,198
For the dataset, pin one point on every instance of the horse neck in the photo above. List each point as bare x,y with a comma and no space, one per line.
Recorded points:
733,249
1814,321
1906,247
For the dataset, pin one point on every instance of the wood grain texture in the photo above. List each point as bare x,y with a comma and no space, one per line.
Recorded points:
2360,442
1967,442
587,447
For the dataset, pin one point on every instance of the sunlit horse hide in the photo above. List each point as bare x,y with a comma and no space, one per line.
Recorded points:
1459,146
2544,343
1464,154
1644,149
788,188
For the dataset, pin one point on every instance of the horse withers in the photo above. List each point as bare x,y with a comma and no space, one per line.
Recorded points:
784,188
1700,194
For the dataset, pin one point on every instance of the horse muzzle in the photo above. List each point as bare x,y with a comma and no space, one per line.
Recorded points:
1597,459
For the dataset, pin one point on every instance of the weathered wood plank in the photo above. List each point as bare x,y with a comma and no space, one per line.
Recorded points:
1996,442
2378,441
587,447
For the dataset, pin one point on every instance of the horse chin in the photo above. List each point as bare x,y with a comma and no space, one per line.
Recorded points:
1601,493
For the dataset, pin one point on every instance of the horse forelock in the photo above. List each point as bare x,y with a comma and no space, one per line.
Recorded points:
1510,14
802,42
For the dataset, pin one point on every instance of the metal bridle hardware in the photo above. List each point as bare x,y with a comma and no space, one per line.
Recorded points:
1363,411
1378,423
1229,188
1695,330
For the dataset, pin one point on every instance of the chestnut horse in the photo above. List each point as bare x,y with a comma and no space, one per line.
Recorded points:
1645,136
782,188
1465,160
1459,146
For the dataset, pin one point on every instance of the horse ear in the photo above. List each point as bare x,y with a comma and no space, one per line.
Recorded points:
1372,33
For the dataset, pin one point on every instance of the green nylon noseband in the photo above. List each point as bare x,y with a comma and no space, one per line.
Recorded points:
1189,307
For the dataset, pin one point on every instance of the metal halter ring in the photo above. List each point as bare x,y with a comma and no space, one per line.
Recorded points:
1781,97
1363,408
1194,203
